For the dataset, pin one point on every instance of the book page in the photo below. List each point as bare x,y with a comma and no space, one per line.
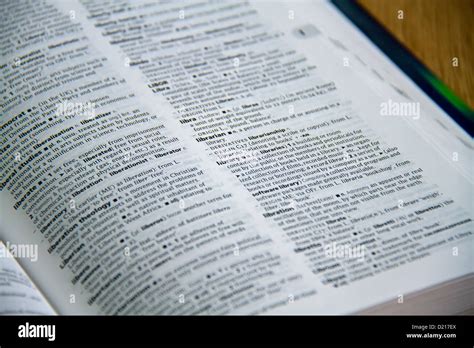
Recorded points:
213,158
18,296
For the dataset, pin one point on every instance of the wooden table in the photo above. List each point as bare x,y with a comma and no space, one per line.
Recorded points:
435,31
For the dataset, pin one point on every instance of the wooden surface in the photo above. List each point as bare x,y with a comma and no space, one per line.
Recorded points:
435,31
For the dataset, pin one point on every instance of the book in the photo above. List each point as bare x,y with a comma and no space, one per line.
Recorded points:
241,157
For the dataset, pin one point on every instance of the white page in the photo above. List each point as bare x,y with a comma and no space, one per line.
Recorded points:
357,99
113,250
